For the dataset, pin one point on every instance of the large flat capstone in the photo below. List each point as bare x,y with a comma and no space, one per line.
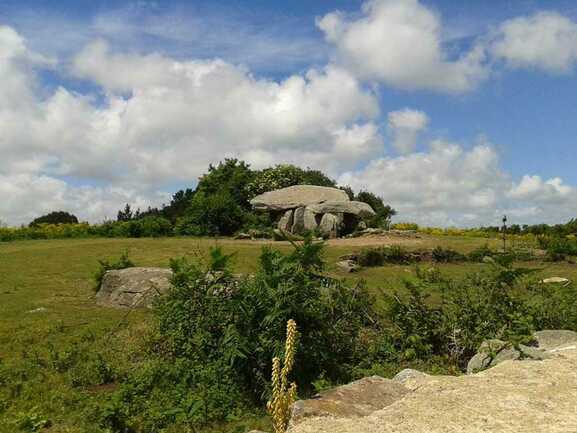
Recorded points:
298,196
358,208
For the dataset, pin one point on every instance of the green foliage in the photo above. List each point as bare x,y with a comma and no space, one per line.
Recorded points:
379,256
384,213
104,266
57,217
558,248
447,255
228,179
214,214
500,302
285,175
211,319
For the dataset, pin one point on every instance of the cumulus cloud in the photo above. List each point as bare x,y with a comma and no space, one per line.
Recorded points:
399,42
452,185
545,40
405,126
27,196
163,120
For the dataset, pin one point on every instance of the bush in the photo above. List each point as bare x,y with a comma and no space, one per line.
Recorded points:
447,255
209,318
381,255
498,303
123,262
212,215
59,217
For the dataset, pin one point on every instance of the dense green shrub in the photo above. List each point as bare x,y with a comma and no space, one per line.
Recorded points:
104,266
558,248
447,255
285,175
384,213
210,317
57,217
379,256
215,214
500,302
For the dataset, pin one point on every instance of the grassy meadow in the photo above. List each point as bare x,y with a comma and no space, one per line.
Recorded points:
48,319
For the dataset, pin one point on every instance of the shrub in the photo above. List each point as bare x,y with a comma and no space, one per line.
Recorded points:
378,256
447,255
215,214
208,318
383,212
58,217
104,266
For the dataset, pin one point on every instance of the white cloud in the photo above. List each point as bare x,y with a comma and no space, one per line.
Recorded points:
405,126
545,40
29,196
399,42
549,191
450,185
163,120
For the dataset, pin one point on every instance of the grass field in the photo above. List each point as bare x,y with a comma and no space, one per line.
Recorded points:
46,303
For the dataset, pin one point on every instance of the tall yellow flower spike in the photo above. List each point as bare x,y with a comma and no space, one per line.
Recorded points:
283,395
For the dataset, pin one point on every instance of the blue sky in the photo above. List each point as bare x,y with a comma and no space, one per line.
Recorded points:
454,112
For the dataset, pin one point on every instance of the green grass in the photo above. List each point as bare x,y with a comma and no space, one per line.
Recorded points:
56,277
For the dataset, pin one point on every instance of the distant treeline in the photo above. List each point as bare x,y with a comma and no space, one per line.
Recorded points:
218,206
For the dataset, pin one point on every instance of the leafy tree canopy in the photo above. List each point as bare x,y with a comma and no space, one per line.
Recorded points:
57,217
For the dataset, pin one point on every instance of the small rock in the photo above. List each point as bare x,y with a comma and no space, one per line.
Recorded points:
409,374
491,353
38,310
242,236
556,280
348,266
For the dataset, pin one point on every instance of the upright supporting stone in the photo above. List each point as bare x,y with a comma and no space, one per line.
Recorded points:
303,220
329,226
285,224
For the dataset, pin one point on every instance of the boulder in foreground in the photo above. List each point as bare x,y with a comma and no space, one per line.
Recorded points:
133,287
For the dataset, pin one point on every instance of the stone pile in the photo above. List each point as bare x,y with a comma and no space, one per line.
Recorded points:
308,208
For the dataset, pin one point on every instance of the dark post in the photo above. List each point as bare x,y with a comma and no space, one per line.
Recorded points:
504,232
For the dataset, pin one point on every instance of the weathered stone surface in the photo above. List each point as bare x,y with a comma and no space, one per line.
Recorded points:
356,399
329,226
286,221
133,287
358,208
348,266
521,396
409,374
551,339
491,353
297,196
303,220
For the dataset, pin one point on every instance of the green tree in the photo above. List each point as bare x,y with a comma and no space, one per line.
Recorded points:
285,175
384,213
231,177
57,217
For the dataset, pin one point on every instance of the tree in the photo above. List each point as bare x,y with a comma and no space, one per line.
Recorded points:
384,213
284,175
57,217
126,214
212,214
178,205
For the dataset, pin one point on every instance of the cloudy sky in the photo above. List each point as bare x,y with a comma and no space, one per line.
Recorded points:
453,112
